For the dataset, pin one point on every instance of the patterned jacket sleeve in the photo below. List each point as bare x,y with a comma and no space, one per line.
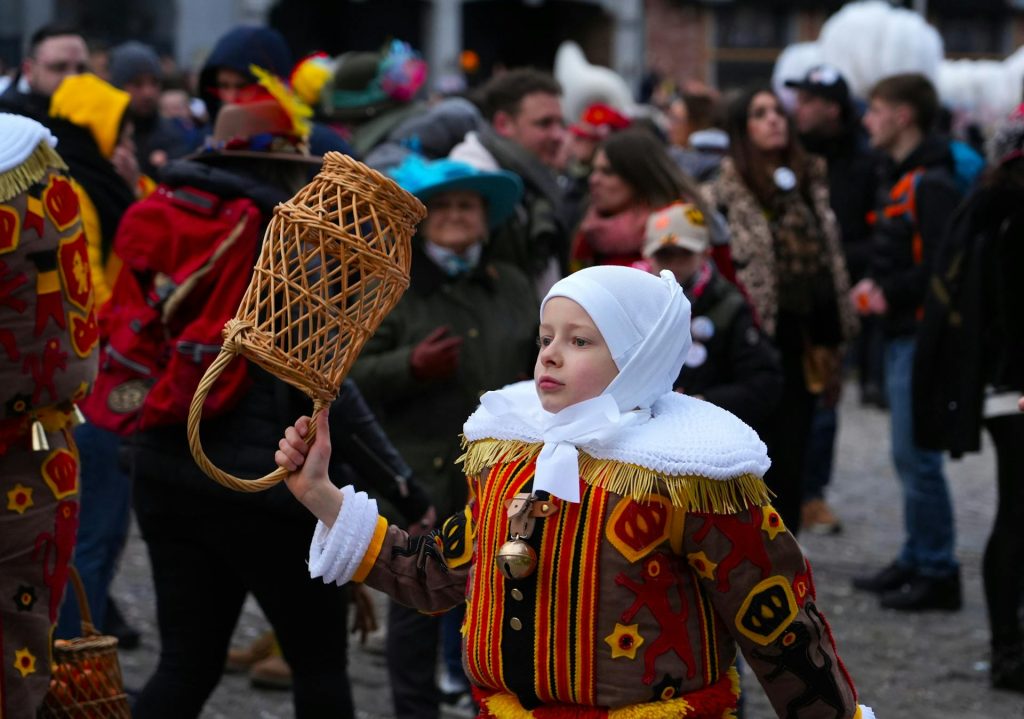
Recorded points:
429,572
756,576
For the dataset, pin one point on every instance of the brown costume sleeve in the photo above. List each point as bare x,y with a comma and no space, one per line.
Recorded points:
759,582
429,572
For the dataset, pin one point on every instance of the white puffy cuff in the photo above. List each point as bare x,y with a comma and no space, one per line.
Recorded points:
866,713
336,553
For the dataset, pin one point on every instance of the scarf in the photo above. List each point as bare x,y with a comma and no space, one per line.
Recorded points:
452,263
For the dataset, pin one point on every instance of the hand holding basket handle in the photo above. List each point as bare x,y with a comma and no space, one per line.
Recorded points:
335,260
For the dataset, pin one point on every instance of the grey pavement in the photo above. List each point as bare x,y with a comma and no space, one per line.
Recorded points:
905,666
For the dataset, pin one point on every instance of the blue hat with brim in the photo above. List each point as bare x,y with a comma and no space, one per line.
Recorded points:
425,179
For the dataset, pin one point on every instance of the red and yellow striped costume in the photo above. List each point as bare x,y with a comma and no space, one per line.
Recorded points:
642,593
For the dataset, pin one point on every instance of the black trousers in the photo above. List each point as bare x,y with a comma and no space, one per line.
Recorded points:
788,433
411,648
207,555
1004,554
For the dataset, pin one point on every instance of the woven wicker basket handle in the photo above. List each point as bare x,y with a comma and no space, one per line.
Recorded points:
88,628
195,414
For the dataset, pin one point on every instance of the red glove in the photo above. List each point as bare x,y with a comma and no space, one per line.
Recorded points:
436,357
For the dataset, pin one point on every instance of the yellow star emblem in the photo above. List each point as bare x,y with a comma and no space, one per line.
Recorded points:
772,522
24,662
19,499
703,566
624,641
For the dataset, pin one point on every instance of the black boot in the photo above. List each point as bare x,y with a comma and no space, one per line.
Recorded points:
1008,667
922,593
892,577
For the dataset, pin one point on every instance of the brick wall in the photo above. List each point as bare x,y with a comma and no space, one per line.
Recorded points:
678,40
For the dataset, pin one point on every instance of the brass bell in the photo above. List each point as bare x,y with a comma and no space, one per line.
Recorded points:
39,443
516,559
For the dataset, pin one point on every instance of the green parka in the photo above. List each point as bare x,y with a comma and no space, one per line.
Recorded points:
494,309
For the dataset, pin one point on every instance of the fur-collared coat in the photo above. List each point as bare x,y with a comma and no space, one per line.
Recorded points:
753,250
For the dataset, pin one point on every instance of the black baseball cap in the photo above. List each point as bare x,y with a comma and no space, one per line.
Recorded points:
824,81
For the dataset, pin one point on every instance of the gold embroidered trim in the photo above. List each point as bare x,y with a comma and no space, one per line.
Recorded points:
690,492
18,179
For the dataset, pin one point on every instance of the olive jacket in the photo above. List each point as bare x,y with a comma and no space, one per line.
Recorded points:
493,308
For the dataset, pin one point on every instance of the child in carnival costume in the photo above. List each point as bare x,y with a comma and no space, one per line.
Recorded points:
619,545
48,337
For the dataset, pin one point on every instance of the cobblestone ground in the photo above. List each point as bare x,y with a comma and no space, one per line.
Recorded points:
905,665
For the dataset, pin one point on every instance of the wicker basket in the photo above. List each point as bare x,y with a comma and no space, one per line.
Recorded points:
86,681
335,260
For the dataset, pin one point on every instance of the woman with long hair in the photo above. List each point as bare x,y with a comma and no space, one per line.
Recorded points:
786,249
632,176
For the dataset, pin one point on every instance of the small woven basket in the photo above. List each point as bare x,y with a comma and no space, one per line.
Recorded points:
335,260
86,681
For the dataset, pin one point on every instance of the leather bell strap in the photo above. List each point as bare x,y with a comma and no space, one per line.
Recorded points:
523,511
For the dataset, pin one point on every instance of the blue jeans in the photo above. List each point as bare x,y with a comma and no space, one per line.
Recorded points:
820,452
102,525
927,509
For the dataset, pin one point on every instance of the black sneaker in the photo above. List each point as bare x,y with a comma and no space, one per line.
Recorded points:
892,577
922,593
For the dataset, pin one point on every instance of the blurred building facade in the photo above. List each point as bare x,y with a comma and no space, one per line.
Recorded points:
722,42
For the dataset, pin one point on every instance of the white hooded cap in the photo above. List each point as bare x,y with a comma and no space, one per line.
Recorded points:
644,320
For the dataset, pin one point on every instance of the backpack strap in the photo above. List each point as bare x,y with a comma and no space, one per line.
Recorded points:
903,203
178,294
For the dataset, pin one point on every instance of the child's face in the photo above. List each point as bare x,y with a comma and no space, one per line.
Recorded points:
574,363
681,262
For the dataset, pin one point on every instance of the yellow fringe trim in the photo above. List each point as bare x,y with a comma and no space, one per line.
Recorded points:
506,706
690,492
653,710
18,179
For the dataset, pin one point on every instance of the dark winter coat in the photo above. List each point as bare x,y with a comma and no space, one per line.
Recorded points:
737,367
972,333
906,240
852,187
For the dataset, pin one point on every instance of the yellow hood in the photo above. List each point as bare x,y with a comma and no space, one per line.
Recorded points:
89,102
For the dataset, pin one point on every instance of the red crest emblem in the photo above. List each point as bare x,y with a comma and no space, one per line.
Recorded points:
73,258
60,471
61,202
10,228
85,332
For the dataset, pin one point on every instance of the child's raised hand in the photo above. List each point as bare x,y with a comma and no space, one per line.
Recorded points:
307,465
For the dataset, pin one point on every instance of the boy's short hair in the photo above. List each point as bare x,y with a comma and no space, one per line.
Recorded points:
505,92
914,90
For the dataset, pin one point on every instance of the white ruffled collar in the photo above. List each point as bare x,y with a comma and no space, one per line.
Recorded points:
682,437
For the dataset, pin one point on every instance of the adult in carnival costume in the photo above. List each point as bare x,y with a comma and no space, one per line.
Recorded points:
617,550
47,363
